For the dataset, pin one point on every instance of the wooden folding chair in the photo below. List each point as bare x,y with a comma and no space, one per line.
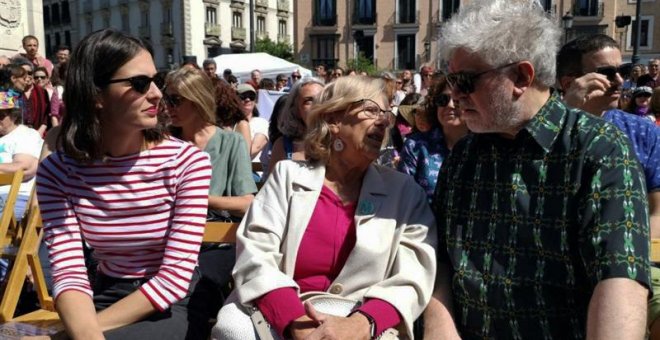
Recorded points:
220,232
8,220
655,250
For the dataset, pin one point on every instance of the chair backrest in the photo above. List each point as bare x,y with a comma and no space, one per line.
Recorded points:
220,232
7,219
28,246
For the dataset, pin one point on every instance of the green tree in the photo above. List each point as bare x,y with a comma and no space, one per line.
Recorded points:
361,63
278,49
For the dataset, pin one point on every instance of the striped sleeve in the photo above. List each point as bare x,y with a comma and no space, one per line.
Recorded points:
61,229
172,281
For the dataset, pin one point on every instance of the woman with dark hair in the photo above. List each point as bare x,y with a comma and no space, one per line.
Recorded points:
43,79
117,182
228,112
424,150
36,110
291,122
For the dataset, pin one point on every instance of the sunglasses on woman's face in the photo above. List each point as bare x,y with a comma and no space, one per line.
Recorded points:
140,84
248,95
173,100
442,100
40,77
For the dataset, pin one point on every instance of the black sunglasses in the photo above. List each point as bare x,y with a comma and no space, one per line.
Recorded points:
442,100
295,77
172,100
611,71
248,95
40,77
140,84
464,81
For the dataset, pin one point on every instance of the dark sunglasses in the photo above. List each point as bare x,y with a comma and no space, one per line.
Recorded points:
610,71
172,100
442,100
295,77
140,84
29,73
464,81
248,95
40,77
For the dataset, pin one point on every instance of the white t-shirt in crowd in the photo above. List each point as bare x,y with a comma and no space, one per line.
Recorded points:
258,125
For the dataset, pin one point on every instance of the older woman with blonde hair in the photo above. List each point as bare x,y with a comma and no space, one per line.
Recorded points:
338,225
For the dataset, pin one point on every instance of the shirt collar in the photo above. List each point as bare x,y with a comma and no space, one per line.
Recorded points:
546,125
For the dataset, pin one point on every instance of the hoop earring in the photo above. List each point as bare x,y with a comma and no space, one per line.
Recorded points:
338,145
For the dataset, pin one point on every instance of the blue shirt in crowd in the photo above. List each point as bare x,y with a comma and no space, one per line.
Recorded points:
422,156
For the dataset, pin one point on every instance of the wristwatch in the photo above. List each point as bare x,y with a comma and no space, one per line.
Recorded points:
372,323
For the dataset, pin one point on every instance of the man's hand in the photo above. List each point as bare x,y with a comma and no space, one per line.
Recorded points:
583,90
334,327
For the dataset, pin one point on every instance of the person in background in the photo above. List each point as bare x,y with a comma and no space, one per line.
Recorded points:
42,79
281,83
652,78
408,83
640,102
267,84
4,61
295,77
426,74
631,82
423,152
62,54
321,72
225,74
210,68
654,107
258,125
335,223
228,112
31,47
255,79
233,81
273,133
292,121
138,198
336,73
36,113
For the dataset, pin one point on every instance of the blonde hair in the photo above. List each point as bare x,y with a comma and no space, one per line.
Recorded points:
336,99
195,86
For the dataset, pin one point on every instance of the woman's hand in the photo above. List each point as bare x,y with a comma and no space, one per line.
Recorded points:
335,327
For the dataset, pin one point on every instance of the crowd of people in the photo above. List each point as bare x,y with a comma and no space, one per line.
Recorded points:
511,195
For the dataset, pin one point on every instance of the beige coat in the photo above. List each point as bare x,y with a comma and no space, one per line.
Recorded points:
394,255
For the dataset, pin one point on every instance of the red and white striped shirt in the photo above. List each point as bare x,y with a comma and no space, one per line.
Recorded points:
144,215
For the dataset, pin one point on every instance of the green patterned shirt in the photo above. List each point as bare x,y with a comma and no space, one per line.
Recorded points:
532,224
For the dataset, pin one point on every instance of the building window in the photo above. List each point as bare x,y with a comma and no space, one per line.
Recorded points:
237,19
646,41
145,18
325,12
55,14
58,39
324,50
365,12
449,7
365,46
405,46
211,15
547,6
406,11
89,25
49,47
66,16
46,16
261,25
125,22
586,8
281,28
67,38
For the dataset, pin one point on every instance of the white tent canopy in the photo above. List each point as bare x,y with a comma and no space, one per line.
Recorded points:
241,64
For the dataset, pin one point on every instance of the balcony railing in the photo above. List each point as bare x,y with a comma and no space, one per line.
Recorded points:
87,7
283,5
592,10
104,3
238,33
144,31
166,28
262,3
261,35
408,18
284,38
212,30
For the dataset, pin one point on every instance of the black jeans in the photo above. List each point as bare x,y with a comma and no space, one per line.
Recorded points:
179,322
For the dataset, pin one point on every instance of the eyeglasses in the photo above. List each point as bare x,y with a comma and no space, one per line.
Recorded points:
442,100
29,73
399,82
248,95
373,111
464,81
295,77
40,77
427,75
140,84
610,71
173,100
654,65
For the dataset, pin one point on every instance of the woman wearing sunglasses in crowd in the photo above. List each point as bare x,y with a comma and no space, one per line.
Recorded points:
138,197
423,152
335,223
292,121
228,113
42,79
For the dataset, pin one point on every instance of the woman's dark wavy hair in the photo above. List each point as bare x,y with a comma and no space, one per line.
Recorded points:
228,105
92,64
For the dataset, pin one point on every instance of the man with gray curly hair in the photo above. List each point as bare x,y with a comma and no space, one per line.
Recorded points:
541,211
